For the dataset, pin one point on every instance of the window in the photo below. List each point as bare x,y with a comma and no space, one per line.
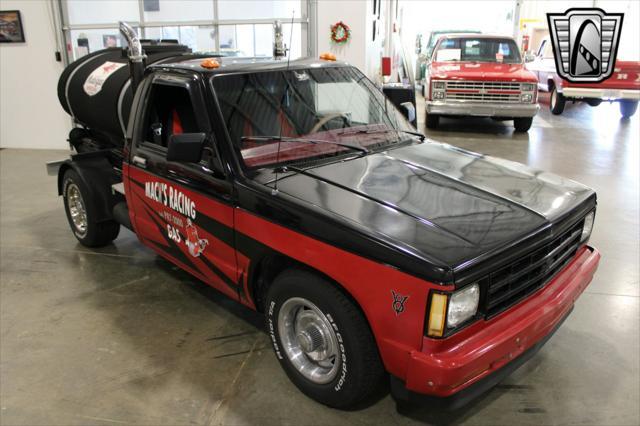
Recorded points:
234,27
182,10
169,111
82,12
331,107
87,41
259,9
479,50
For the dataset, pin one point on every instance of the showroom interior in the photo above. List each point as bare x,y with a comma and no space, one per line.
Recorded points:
98,329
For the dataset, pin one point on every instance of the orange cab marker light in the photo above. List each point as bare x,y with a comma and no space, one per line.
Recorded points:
437,314
327,56
210,63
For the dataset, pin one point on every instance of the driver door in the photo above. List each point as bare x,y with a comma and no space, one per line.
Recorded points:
181,210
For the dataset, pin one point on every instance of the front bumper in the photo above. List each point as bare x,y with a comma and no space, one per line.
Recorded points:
481,109
601,93
455,370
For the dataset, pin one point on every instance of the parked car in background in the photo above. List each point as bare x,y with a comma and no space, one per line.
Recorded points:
623,86
424,51
480,75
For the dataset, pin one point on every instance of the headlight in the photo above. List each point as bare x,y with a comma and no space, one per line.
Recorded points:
438,95
438,84
527,97
587,227
528,87
463,305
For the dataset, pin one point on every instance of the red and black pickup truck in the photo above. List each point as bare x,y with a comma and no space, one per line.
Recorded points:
622,87
300,191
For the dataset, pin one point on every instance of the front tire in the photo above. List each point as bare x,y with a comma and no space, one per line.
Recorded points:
81,212
522,124
322,340
628,108
557,102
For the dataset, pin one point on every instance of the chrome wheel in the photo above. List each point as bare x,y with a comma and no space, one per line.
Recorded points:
554,98
309,340
76,207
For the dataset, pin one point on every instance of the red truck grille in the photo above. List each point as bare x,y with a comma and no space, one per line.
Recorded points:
517,280
483,91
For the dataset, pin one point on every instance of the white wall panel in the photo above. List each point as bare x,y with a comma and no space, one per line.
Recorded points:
30,114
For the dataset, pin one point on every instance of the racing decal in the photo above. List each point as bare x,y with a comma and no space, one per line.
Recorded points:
398,302
93,84
196,245
169,220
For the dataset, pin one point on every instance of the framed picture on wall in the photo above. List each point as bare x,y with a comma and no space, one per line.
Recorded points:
11,30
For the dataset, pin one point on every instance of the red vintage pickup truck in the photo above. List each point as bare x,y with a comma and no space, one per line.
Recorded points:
480,75
623,86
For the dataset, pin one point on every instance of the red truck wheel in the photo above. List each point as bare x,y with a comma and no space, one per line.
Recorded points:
628,108
322,340
557,102
81,211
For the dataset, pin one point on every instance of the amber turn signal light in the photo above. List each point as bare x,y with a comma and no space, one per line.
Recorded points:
327,56
437,315
209,63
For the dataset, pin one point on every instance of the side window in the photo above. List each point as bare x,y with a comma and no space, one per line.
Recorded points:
547,53
169,111
542,47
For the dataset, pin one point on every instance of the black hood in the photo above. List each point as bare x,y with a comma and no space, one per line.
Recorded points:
437,202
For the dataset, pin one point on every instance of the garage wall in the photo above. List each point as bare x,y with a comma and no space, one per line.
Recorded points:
30,115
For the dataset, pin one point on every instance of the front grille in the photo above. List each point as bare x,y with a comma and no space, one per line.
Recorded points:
487,85
517,280
483,97
483,91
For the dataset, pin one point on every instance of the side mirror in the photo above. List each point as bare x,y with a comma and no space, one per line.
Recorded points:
186,147
409,111
529,57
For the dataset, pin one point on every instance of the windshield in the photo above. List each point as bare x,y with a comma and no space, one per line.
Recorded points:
320,113
500,50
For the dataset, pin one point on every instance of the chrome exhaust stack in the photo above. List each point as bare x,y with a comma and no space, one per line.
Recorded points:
136,54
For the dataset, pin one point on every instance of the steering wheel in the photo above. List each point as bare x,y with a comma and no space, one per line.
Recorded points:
326,118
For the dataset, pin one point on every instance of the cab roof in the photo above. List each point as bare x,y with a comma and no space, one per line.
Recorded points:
475,35
232,64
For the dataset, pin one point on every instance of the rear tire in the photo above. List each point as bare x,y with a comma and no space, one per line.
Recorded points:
522,124
556,102
322,340
628,108
81,212
432,121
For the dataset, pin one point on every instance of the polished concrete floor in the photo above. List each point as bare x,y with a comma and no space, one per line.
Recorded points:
119,336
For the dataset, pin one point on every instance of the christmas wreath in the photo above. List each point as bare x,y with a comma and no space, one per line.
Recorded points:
340,32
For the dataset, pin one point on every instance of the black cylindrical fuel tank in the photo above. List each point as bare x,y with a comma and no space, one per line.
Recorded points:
96,89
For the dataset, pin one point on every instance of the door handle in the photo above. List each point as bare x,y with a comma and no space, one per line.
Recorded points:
139,161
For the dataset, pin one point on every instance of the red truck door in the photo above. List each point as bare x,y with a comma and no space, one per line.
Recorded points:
183,211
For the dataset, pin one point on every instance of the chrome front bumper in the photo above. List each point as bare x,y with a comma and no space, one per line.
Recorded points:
479,109
601,93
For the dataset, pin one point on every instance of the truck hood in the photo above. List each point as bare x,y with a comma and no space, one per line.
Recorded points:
438,202
492,71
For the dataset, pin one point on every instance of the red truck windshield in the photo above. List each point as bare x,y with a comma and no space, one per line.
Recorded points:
331,108
478,49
